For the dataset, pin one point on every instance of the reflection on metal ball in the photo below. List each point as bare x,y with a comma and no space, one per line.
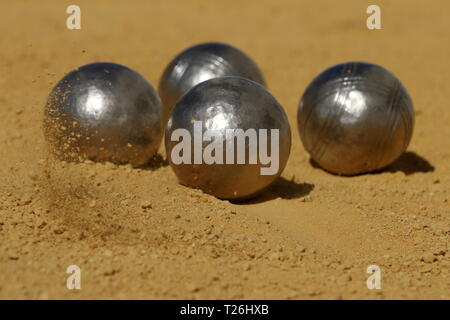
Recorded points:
228,127
104,112
203,62
355,118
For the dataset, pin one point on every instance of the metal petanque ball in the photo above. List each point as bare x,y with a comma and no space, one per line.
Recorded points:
104,112
355,118
203,62
243,123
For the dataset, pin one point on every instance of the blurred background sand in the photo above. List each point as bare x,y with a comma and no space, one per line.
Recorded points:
136,233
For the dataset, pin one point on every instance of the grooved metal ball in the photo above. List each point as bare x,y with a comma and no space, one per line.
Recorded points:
355,118
104,112
203,62
224,105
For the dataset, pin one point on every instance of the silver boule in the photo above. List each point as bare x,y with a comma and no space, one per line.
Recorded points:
355,118
104,112
225,105
203,62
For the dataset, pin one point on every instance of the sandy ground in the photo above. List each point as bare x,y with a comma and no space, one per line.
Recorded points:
138,234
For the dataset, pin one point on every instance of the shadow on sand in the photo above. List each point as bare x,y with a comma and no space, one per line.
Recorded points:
155,163
281,188
408,163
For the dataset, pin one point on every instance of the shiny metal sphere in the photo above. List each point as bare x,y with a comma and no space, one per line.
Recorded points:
104,112
219,105
355,118
203,62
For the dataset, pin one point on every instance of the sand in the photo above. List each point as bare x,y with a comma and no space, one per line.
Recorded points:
136,233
